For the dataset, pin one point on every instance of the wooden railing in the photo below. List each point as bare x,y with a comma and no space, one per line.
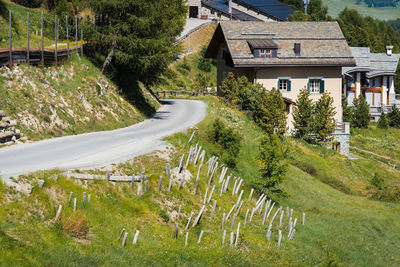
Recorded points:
165,93
36,56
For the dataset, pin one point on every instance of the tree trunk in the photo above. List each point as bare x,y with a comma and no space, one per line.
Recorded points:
110,56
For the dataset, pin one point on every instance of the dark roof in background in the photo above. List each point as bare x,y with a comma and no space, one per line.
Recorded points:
223,8
322,43
270,7
259,44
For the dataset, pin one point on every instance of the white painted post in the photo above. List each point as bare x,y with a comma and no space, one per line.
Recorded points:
70,196
159,185
74,204
181,182
261,206
169,176
135,238
234,188
205,196
88,199
251,194
191,137
269,235
232,239
124,240
279,238
239,198
233,221
58,214
291,235
212,191
304,218
238,187
276,213
41,183
287,212
176,231
223,237
222,187
273,204
139,189
265,214
223,221
227,183
247,215
83,199
179,211
186,239
201,235
213,210
180,168
237,234
190,218
198,218
240,206
251,216
120,235
230,212
280,220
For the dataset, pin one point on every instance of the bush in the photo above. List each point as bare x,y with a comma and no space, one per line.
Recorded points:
383,122
184,66
377,181
204,64
29,3
76,226
394,117
228,140
361,116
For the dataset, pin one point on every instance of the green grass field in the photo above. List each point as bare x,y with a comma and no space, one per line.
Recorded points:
384,13
340,228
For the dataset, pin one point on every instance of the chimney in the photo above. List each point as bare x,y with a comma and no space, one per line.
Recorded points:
297,49
389,49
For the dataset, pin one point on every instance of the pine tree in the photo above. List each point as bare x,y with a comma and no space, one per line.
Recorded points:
347,111
302,114
394,117
361,116
272,163
383,122
323,122
274,112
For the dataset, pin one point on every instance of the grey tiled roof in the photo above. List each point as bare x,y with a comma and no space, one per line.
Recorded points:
373,63
322,43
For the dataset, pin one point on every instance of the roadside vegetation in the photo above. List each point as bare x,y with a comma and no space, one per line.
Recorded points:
341,228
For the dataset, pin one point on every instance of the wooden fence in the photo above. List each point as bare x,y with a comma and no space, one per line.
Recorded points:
44,56
182,92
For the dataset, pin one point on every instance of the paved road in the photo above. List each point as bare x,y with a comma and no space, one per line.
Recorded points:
102,148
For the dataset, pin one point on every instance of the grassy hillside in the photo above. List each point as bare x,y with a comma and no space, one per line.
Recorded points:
384,142
340,228
71,99
382,13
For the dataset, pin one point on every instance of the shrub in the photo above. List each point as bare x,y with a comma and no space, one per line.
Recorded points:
383,122
361,116
164,215
228,140
394,117
184,66
377,181
273,165
204,64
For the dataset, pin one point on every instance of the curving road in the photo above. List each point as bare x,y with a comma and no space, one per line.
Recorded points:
102,148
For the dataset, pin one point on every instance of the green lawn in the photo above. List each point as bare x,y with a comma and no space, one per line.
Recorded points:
384,142
340,228
384,13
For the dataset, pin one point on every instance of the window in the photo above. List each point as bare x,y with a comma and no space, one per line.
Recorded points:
378,82
314,85
284,84
265,52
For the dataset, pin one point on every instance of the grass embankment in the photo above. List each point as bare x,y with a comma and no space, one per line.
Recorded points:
51,102
199,38
339,227
383,142
19,30
382,13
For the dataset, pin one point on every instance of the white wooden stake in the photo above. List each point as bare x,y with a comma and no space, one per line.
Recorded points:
304,218
280,220
201,235
176,231
251,193
74,204
237,234
223,221
120,235
159,184
212,191
70,196
230,212
135,238
124,240
205,196
233,221
58,214
279,238
190,218
223,237
179,211
247,215
232,239
186,239
213,210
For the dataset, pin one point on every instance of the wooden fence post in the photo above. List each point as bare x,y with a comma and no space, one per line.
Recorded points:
56,36
41,36
76,34
81,36
27,33
10,63
66,25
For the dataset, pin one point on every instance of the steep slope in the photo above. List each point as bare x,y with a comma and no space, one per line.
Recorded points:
71,99
339,227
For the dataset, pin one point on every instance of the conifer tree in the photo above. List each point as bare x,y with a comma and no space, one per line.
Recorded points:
274,112
361,116
394,117
302,114
383,122
347,111
323,122
272,163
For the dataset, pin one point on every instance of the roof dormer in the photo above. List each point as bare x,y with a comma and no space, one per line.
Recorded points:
263,48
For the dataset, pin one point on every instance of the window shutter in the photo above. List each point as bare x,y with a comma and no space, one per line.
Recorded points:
279,80
289,85
308,85
322,87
